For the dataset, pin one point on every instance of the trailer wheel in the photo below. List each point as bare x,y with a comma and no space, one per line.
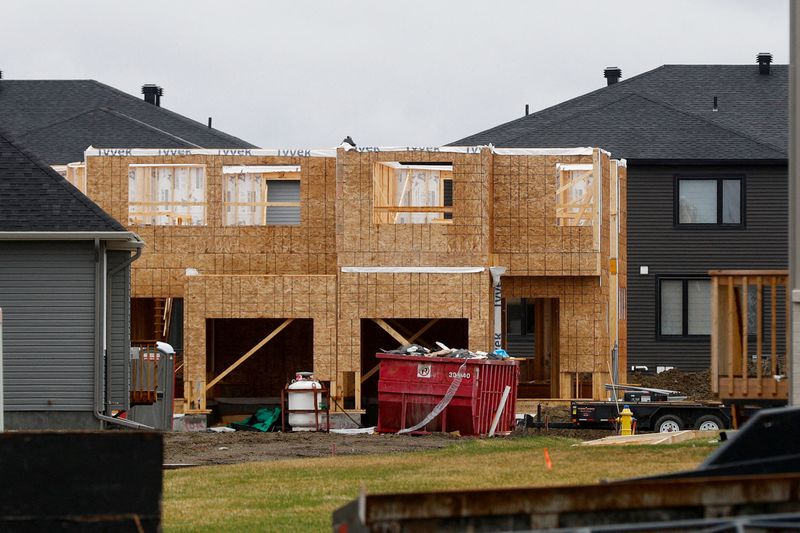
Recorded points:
668,424
709,423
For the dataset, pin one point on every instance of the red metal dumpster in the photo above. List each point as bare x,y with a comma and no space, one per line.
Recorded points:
411,386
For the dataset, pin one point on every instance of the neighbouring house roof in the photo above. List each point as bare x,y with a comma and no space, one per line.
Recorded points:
59,119
36,198
666,114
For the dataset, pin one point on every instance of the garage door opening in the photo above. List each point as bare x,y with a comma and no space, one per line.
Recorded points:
257,381
453,332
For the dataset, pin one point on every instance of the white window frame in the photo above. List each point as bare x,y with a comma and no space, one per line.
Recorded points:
265,174
397,205
159,212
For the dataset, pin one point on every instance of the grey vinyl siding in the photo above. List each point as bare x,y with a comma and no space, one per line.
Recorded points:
283,191
119,332
669,251
47,295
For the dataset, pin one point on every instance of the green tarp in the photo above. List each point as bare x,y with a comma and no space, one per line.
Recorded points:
262,420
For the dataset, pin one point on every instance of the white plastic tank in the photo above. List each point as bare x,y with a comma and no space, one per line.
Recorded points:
304,401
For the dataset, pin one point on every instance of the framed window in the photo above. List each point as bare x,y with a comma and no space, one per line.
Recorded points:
707,201
75,173
262,195
166,195
576,192
412,193
520,316
684,307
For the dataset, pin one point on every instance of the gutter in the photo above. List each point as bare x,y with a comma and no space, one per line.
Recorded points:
127,237
101,307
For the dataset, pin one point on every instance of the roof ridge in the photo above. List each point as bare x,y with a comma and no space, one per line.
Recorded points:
63,183
174,114
703,119
57,122
565,103
579,113
122,115
666,106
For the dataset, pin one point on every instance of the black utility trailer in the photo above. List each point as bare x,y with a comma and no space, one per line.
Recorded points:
659,416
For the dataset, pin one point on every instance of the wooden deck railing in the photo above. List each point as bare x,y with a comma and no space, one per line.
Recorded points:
748,338
144,373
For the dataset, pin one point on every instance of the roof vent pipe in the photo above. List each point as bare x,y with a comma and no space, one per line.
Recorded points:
612,75
527,110
764,59
715,108
152,94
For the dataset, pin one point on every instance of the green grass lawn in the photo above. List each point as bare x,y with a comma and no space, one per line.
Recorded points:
300,494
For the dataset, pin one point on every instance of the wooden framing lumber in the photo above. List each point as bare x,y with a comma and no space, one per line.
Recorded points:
371,373
391,331
734,376
246,356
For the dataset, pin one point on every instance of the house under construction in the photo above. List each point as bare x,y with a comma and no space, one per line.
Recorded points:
268,262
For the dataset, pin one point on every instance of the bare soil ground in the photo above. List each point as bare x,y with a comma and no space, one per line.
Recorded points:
200,448
245,446
695,385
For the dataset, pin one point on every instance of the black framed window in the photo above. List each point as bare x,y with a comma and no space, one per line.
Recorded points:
706,201
519,316
684,307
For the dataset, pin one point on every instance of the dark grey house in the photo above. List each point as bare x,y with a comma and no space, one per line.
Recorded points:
65,298
58,120
707,158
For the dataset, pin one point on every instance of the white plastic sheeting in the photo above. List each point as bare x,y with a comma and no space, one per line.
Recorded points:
259,169
150,152
329,152
445,401
412,270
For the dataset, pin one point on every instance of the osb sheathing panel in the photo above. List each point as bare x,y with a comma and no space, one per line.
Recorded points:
622,272
235,296
526,237
583,327
361,242
309,248
385,295
504,214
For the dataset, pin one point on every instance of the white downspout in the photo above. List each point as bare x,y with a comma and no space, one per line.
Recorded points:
497,291
101,288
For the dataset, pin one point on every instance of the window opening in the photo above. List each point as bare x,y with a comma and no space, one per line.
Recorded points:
166,195
413,193
262,195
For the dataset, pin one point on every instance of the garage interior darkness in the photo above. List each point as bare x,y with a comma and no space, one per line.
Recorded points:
453,332
258,381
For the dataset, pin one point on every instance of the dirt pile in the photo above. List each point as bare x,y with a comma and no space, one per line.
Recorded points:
695,385
244,446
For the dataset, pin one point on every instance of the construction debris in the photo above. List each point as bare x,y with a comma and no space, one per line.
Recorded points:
650,438
695,385
444,351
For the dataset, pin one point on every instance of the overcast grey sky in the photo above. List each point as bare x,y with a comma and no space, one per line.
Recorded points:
307,73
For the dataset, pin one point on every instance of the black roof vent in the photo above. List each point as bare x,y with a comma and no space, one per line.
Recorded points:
152,94
764,59
612,75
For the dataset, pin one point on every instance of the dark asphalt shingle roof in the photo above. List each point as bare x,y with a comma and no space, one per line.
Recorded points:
59,119
34,197
666,113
